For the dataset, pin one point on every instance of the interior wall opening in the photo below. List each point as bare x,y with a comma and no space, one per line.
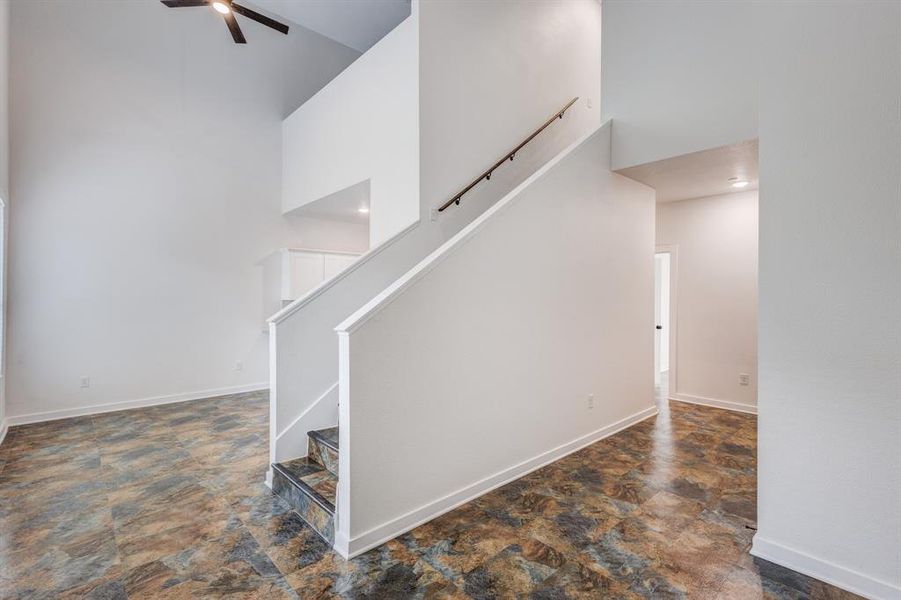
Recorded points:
706,248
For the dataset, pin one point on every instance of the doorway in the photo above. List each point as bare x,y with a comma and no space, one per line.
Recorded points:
664,265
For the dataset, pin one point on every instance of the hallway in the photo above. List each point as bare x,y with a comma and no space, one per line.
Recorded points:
661,389
169,502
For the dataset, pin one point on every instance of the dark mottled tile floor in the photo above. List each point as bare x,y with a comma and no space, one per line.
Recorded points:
168,502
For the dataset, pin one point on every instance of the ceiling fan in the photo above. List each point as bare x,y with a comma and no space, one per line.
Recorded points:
227,9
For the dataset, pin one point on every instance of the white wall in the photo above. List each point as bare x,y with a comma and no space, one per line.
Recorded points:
678,76
146,175
363,126
716,297
328,234
827,77
4,196
492,345
490,73
4,98
829,459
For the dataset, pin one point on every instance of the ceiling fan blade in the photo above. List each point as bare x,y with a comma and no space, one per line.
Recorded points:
262,19
233,26
184,3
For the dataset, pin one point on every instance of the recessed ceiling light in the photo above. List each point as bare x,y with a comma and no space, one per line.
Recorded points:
363,209
739,183
222,7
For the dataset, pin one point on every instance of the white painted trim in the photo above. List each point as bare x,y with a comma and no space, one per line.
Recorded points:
342,499
326,285
425,266
725,404
4,428
53,415
341,544
390,530
831,573
273,391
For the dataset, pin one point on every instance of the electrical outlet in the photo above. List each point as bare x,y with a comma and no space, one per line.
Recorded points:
85,382
744,379
433,213
239,366
588,101
590,400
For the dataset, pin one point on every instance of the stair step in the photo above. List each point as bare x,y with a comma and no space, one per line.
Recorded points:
310,489
329,437
323,448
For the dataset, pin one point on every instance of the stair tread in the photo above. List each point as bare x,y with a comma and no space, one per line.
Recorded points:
313,479
328,436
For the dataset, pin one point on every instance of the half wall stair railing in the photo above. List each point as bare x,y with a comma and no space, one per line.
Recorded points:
509,156
305,400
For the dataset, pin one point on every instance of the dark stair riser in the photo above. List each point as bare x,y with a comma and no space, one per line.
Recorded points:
324,454
311,507
328,436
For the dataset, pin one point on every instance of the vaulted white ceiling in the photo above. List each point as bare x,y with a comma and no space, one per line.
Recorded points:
358,24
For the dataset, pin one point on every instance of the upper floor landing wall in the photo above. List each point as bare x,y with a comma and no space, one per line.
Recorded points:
364,125
678,76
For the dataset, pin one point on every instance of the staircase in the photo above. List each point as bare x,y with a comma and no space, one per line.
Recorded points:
309,484
304,347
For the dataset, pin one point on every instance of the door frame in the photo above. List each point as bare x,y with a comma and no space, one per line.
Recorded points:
673,251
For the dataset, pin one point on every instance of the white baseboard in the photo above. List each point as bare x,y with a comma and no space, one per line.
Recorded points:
831,573
4,427
390,530
53,415
725,404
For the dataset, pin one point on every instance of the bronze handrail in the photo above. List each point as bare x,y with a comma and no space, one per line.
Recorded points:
508,156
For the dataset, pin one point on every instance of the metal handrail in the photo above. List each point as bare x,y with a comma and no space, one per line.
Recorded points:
509,156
